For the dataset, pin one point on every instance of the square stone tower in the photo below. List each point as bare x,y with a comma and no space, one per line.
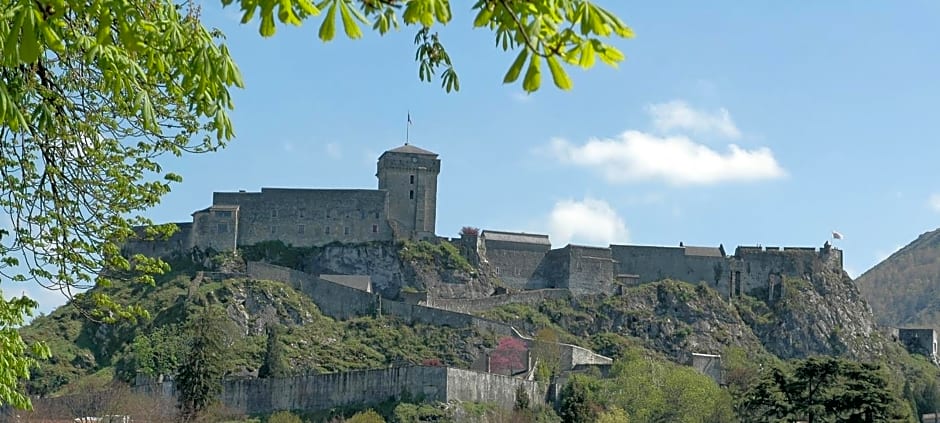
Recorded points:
409,175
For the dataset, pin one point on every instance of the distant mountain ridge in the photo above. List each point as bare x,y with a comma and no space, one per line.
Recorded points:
904,289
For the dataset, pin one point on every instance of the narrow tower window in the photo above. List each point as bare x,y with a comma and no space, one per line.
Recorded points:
412,179
375,228
411,194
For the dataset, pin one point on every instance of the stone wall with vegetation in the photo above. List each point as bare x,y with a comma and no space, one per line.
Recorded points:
361,389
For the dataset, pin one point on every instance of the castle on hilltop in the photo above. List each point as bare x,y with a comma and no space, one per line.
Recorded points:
404,207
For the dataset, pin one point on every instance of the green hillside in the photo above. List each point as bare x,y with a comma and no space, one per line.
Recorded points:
88,352
904,289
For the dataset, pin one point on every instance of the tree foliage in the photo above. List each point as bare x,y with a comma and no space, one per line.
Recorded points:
509,357
275,361
823,389
199,380
549,32
15,358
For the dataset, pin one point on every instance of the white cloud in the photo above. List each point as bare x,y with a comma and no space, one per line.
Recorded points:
934,202
334,150
590,221
678,115
677,160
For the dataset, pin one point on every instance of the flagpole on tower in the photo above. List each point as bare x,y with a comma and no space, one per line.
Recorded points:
408,129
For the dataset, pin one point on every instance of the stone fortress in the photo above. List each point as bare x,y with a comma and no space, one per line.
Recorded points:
531,271
404,207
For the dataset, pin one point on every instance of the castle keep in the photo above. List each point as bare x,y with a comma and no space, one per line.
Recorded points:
404,207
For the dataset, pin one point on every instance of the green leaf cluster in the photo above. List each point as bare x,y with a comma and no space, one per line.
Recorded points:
93,94
823,389
556,32
16,357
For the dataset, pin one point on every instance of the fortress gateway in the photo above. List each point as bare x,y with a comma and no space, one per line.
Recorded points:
404,207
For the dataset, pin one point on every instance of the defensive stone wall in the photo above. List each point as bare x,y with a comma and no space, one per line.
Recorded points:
651,264
590,270
308,217
178,243
343,303
477,305
366,388
515,257
334,300
762,269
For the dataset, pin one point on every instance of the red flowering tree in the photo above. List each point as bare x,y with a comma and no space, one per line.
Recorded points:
509,356
469,231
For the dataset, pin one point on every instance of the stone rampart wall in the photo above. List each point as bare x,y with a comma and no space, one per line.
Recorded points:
334,300
758,269
342,302
653,264
590,270
365,388
473,306
515,263
309,217
179,242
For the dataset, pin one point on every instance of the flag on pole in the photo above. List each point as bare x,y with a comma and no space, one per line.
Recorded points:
836,235
409,118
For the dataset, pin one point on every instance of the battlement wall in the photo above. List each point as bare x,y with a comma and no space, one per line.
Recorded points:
366,388
651,264
763,268
178,243
590,270
309,217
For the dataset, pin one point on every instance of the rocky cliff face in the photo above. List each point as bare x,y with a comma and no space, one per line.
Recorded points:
438,269
822,314
819,313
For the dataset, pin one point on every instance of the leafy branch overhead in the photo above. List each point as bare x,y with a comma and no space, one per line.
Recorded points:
549,31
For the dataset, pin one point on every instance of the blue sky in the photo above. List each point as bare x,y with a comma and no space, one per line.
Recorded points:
730,122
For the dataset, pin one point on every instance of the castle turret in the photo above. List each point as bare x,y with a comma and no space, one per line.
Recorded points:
409,174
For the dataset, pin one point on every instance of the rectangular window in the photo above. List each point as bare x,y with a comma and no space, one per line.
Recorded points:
346,230
223,228
375,228
326,230
412,179
300,213
273,229
411,194
225,213
300,229
273,212
376,215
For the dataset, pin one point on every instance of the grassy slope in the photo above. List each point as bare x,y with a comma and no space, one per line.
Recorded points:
86,352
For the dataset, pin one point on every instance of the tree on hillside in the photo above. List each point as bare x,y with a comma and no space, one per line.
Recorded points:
509,357
822,389
546,351
199,379
275,363
95,92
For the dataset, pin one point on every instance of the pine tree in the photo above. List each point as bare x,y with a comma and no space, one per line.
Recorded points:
275,364
199,379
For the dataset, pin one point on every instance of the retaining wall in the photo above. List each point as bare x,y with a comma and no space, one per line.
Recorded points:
476,305
364,388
